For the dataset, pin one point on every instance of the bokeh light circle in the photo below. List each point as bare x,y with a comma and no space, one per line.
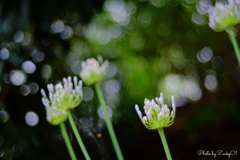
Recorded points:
29,67
31,118
101,114
17,77
4,53
4,116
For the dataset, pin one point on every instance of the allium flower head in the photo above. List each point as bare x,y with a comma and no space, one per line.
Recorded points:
92,71
62,97
158,114
55,115
224,15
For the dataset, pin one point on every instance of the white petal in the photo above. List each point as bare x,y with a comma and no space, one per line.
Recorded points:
136,107
43,93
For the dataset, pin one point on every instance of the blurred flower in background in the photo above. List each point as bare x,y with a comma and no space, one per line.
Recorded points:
92,71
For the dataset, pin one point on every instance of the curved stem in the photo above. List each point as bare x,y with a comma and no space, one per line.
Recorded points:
77,135
165,145
108,122
235,44
67,141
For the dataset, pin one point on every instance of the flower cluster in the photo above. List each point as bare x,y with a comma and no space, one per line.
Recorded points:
92,72
224,15
158,114
62,97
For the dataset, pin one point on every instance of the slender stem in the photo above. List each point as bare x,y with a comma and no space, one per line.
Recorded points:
108,122
67,141
235,44
77,135
165,145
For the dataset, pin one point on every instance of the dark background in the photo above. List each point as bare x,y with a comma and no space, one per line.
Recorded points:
153,46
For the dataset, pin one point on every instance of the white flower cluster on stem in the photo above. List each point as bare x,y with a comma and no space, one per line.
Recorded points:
92,71
62,97
224,15
157,114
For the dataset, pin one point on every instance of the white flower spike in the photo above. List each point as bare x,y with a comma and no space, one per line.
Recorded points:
158,114
61,97
92,71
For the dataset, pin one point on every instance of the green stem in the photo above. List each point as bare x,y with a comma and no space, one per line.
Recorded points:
77,135
165,145
235,44
67,141
108,122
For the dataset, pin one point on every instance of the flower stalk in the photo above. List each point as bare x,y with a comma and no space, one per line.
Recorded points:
67,141
108,122
234,43
164,141
77,135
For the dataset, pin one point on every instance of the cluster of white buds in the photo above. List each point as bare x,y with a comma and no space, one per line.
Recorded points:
224,15
62,97
92,72
158,114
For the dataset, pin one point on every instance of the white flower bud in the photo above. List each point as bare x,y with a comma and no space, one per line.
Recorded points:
144,119
100,59
172,99
156,108
174,106
50,96
45,102
83,64
43,93
69,79
140,114
65,81
75,80
50,87
161,100
80,84
172,114
136,108
70,86
159,116
145,108
149,115
58,86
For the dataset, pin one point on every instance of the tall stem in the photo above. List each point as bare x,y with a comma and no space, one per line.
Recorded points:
165,145
77,135
108,122
67,141
235,44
